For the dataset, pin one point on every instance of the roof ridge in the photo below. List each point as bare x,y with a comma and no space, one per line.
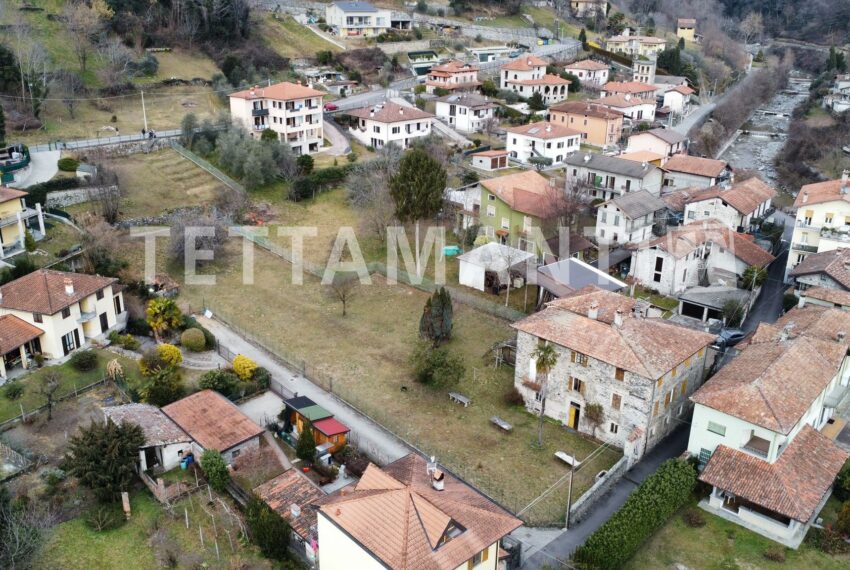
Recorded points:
406,530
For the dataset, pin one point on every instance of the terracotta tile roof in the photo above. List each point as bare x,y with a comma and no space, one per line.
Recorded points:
389,112
43,291
587,65
835,296
641,156
544,130
455,66
756,385
793,486
525,63
683,240
630,87
159,429
835,263
7,194
744,196
527,192
585,108
695,165
15,332
489,153
292,488
548,79
396,515
470,100
648,347
683,89
676,200
212,420
283,91
331,426
816,321
687,22
620,101
637,204
820,192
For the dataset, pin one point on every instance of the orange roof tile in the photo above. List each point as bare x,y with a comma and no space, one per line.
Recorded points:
695,165
641,156
820,192
283,91
489,153
44,291
7,194
834,296
544,130
525,63
15,332
288,489
585,108
587,65
621,101
454,66
683,89
630,87
212,420
816,321
527,192
744,196
834,263
389,112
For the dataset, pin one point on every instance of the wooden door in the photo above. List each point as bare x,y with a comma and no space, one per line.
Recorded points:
575,412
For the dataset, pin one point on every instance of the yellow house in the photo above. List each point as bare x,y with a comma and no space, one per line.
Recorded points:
599,125
686,28
15,219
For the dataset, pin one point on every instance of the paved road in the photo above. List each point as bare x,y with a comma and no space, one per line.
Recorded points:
339,144
768,307
559,550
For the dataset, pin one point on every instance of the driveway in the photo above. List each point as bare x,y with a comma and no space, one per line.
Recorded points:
43,167
339,144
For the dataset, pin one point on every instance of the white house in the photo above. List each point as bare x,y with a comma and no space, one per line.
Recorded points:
527,75
54,313
643,70
165,443
411,514
634,45
591,73
665,142
684,171
678,99
635,89
627,218
357,19
465,112
823,214
609,354
542,140
705,251
292,111
390,122
736,204
635,108
454,75
758,445
610,176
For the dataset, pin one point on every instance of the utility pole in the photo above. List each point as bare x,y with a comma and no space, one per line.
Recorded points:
569,499
144,112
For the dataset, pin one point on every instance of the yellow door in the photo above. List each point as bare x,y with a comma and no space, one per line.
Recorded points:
574,411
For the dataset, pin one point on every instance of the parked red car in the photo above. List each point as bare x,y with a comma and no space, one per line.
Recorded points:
330,107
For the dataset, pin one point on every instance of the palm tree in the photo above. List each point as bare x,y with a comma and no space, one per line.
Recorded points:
546,357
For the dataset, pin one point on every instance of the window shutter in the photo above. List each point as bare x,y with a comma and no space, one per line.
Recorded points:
573,356
684,387
810,213
484,554
655,409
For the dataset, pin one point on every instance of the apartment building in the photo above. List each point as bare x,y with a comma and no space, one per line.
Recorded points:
665,142
643,70
292,111
591,73
454,75
683,171
465,112
598,125
542,140
527,75
609,176
640,370
634,45
633,89
637,110
390,122
627,218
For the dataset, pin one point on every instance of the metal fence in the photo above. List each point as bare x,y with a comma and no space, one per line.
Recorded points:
102,141
205,165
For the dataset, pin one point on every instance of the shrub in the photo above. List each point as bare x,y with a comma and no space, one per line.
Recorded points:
193,340
13,391
139,327
169,354
244,367
129,342
841,488
828,540
262,377
694,518
775,553
221,381
646,510
268,529
512,397
39,359
105,517
68,164
163,386
842,523
84,360
306,447
150,362
437,367
215,469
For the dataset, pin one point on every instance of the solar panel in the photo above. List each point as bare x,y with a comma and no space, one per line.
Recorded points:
533,131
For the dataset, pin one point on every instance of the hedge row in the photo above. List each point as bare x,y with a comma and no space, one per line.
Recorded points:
38,192
647,509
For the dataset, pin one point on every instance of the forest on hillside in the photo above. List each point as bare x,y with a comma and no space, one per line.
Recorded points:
821,21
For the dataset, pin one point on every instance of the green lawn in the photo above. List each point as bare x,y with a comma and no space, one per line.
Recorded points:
723,545
71,379
59,237
289,38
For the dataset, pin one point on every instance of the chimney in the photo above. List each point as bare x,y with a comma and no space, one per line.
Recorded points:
783,336
548,128
644,165
401,110
732,177
295,510
802,302
841,336
805,197
69,286
438,480
587,158
618,318
593,311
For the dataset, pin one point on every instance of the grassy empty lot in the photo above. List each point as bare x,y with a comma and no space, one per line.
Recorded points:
722,545
182,64
289,38
367,354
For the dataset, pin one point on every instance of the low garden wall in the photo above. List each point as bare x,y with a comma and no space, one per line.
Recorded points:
65,198
599,489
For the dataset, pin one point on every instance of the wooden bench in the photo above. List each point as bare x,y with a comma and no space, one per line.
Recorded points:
459,399
568,459
502,424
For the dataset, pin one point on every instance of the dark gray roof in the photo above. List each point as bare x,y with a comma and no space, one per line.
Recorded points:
467,100
668,135
637,204
563,277
355,7
158,428
670,79
714,297
612,164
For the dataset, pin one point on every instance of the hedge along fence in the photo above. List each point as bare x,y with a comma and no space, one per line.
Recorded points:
646,510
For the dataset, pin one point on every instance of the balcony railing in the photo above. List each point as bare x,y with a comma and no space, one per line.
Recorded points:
26,213
805,247
86,316
758,446
259,112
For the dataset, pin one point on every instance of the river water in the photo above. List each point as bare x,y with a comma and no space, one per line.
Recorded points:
756,151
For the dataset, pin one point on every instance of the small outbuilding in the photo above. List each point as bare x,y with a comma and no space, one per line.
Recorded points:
488,266
299,410
567,276
490,160
330,431
165,443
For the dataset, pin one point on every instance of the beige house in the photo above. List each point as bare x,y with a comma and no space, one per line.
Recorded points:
410,514
635,46
527,75
665,142
640,370
454,75
735,204
292,111
16,219
686,28
599,125
55,313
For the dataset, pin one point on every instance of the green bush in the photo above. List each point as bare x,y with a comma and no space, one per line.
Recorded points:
436,367
268,529
221,381
262,377
68,164
105,517
306,447
84,360
647,509
842,523
193,340
138,327
13,390
841,488
215,470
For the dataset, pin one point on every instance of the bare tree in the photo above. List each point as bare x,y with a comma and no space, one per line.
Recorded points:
32,61
343,288
84,21
48,385
22,532
100,243
69,86
369,190
214,242
490,126
751,27
117,59
108,197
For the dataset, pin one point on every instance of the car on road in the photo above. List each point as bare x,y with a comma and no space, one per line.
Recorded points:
330,107
730,337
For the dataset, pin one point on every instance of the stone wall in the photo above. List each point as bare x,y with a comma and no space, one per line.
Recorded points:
64,198
599,489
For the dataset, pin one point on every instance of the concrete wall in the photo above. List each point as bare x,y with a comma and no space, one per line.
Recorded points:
599,489
684,180
252,443
391,48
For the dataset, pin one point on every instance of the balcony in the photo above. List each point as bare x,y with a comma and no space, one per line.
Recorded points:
260,112
758,447
26,213
86,316
807,224
805,247
260,127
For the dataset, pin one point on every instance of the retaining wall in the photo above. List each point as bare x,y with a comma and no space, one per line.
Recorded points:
599,489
